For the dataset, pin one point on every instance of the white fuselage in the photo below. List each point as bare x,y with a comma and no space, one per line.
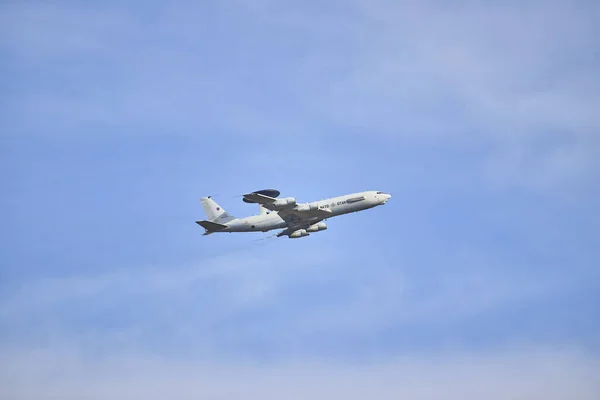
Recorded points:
337,205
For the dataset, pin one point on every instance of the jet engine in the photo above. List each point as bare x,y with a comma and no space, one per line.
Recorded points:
321,226
308,207
298,234
282,204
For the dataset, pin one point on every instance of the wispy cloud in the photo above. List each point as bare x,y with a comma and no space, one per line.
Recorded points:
292,303
118,118
508,77
523,374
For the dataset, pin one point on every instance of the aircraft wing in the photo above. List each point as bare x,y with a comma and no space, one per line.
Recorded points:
299,218
296,214
322,213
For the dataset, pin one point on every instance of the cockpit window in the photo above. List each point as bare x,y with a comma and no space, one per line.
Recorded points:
379,192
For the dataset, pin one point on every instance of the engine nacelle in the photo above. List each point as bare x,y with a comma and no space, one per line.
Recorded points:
299,233
282,204
308,207
321,226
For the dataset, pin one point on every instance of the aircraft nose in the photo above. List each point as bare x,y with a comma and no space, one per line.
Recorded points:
385,197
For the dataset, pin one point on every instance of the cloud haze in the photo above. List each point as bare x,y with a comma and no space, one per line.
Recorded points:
518,374
478,279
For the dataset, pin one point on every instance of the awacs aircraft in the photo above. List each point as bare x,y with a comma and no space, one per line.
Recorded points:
296,219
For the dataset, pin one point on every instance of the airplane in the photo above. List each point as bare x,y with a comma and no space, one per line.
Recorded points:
296,219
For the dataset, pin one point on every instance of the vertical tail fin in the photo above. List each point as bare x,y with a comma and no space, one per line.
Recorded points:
214,212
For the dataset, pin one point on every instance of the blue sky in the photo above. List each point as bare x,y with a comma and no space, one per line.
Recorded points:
481,119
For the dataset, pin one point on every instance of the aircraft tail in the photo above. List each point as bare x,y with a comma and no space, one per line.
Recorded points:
211,226
214,212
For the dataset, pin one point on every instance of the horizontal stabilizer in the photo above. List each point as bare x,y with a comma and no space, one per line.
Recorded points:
211,226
